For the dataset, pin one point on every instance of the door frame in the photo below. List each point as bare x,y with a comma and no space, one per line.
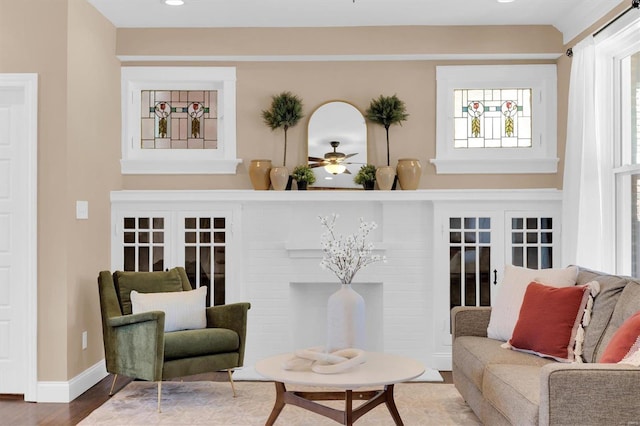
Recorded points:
28,82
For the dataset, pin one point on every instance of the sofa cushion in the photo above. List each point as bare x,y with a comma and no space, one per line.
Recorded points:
506,307
206,341
628,304
513,390
472,354
549,320
610,288
147,282
183,310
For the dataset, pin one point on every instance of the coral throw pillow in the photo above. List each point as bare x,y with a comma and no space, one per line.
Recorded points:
625,342
549,320
506,306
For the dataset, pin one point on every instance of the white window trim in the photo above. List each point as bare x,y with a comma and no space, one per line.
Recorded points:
136,160
542,157
616,42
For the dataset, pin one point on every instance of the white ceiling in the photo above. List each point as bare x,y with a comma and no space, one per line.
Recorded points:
569,16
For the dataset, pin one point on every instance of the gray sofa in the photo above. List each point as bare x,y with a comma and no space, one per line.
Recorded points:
505,387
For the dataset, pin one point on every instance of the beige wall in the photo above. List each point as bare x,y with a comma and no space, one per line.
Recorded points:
93,154
73,49
353,81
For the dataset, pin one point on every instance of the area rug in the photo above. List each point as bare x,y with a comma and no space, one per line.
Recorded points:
212,403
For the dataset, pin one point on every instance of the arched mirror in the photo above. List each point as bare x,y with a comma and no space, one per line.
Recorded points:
337,144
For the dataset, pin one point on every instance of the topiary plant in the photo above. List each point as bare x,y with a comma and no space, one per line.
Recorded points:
367,173
285,112
387,110
304,174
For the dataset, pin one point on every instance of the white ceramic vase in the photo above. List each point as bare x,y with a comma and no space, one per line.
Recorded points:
345,319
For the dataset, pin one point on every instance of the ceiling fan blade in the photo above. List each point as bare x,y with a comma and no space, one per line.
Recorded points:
346,172
351,155
316,159
311,166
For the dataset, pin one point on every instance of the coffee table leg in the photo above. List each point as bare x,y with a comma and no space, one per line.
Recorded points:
391,405
279,404
348,408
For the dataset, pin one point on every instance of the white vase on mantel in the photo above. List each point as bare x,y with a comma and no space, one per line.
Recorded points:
345,319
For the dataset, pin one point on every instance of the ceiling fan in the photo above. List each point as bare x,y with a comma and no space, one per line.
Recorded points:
333,162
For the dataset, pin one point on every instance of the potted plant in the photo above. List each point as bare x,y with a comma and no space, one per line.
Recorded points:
366,176
386,110
285,112
304,176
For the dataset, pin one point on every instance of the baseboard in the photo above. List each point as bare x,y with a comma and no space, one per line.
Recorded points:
442,361
65,392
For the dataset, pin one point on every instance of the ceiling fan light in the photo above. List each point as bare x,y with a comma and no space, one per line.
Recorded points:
335,169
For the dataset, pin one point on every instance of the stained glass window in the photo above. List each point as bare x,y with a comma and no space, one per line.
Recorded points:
179,119
492,118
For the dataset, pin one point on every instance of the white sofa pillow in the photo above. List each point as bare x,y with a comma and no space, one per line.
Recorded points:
506,306
183,310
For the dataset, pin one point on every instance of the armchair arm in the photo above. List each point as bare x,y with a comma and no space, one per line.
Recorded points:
589,394
136,318
233,317
134,346
470,321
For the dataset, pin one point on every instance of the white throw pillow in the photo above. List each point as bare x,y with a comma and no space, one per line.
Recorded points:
183,310
506,306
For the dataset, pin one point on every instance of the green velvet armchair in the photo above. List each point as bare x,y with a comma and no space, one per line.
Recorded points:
137,346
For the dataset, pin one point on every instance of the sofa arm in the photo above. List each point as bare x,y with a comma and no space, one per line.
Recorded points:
134,345
589,394
470,321
233,317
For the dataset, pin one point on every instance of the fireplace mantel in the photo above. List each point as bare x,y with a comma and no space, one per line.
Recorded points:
231,195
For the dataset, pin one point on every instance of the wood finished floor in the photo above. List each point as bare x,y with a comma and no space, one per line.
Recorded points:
15,412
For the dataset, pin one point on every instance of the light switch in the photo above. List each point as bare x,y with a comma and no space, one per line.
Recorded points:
82,210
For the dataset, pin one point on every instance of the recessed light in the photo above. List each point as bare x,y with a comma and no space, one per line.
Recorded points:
506,1
174,2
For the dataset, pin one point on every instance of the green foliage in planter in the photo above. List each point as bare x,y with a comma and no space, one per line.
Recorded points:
367,173
387,110
304,174
285,112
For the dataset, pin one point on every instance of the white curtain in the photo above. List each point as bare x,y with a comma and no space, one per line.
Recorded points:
582,213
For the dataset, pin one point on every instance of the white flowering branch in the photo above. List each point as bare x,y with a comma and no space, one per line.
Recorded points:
346,255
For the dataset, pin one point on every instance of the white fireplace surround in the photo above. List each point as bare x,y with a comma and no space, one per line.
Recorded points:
274,255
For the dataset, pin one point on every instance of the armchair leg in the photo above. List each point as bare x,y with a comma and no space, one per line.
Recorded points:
159,394
115,377
233,388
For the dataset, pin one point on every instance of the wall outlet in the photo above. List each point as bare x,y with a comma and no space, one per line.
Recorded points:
84,340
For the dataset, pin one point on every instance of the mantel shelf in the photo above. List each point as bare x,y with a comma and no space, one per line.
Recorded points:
228,195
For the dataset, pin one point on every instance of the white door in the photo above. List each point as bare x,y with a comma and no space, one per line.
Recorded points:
17,233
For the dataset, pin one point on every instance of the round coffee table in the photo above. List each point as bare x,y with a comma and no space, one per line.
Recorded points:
380,369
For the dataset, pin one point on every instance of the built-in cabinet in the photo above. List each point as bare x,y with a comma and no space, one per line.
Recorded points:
474,241
179,235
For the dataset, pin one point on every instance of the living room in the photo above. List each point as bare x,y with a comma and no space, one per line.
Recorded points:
78,55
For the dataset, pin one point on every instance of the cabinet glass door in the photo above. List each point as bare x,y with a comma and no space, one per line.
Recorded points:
470,252
143,243
532,240
205,249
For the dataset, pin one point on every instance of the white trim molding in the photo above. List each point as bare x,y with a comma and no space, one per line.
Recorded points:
29,83
221,160
341,58
68,391
540,157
